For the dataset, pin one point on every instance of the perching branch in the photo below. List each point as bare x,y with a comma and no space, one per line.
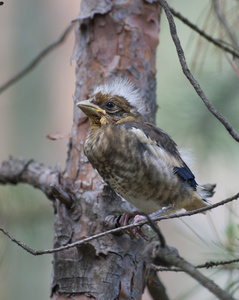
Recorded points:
36,60
216,42
115,230
199,210
170,258
189,75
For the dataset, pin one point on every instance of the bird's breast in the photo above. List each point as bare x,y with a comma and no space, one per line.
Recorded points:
128,166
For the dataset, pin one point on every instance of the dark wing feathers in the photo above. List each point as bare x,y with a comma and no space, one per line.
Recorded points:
164,141
186,174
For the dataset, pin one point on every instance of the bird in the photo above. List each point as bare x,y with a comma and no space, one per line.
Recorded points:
138,160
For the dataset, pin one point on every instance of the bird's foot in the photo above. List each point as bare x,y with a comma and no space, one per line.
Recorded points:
124,220
137,218
125,217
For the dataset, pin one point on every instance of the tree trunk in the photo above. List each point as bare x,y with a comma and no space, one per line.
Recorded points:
112,38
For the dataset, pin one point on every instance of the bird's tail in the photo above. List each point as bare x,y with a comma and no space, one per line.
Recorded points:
206,190
200,200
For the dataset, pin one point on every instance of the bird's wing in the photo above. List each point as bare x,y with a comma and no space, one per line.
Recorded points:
162,147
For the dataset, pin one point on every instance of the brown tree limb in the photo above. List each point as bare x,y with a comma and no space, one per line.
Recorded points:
36,60
14,171
189,75
218,43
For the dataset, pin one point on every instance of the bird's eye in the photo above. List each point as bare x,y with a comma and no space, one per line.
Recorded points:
110,104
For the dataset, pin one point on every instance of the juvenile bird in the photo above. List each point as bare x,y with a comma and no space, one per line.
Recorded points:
135,158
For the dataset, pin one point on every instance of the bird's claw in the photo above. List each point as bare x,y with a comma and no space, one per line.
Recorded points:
135,231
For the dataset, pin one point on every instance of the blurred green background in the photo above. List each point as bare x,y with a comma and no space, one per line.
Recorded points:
41,103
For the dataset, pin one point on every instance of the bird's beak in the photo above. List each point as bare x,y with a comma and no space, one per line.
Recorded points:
90,109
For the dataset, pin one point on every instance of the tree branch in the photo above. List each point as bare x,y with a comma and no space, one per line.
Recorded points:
169,256
36,60
216,42
165,256
115,230
211,264
189,75
199,210
207,265
16,171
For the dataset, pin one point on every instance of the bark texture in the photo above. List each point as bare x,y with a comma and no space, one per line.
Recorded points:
112,38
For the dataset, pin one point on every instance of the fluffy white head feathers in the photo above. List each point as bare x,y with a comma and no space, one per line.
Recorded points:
124,88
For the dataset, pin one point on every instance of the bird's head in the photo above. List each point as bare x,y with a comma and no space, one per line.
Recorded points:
114,102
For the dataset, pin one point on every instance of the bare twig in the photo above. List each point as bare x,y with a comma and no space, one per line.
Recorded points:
20,244
199,210
36,60
216,42
207,265
169,256
189,75
112,231
212,264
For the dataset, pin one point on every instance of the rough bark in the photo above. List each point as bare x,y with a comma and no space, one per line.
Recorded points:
112,38
14,171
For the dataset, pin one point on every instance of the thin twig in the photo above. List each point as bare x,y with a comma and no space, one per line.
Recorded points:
211,264
206,265
112,231
189,75
169,256
216,42
36,60
199,210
